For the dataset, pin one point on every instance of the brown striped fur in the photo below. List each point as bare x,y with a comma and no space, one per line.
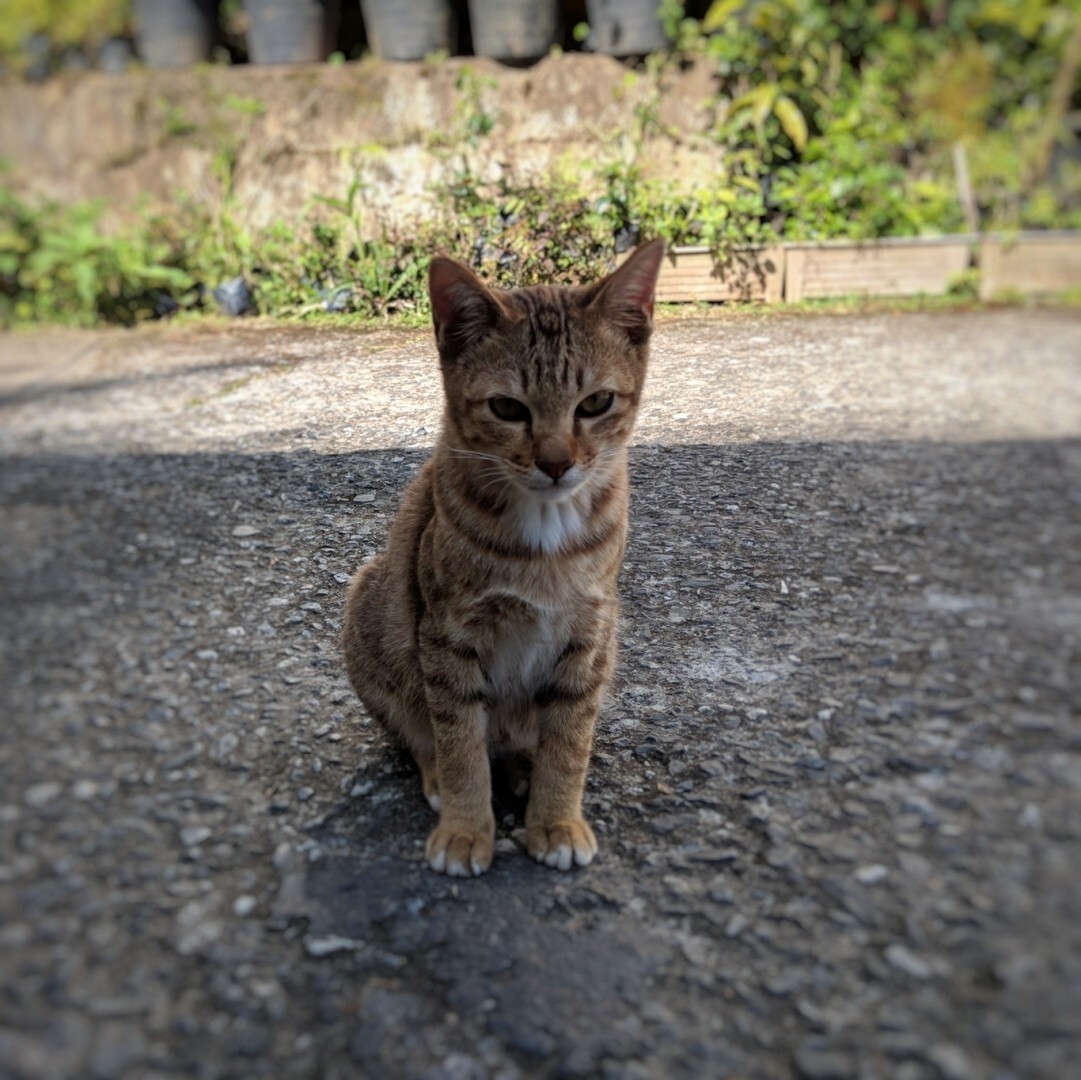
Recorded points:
488,625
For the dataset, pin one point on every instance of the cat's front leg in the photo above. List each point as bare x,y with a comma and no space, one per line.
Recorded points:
556,832
462,843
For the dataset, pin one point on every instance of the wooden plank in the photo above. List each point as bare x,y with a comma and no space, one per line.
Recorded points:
1031,264
873,269
755,274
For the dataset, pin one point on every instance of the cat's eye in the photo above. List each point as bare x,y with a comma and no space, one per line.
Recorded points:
508,409
596,404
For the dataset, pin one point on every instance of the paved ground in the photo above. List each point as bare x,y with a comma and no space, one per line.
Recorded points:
837,787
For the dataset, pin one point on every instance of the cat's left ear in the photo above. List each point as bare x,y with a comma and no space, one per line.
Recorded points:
627,295
464,310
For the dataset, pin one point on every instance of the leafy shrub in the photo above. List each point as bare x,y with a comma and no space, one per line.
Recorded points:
58,265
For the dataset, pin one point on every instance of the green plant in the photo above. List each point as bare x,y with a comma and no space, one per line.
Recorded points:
57,264
174,120
67,22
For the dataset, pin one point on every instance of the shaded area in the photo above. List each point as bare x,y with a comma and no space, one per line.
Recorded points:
837,786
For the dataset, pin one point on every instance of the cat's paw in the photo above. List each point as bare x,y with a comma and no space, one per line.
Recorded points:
459,851
562,844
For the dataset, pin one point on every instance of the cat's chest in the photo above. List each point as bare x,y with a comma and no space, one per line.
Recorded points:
520,654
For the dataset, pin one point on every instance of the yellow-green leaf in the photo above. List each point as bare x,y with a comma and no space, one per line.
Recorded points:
792,121
764,104
719,13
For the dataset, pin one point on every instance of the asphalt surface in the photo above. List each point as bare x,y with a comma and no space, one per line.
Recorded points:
837,785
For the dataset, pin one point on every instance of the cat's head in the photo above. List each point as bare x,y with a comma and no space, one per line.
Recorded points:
544,382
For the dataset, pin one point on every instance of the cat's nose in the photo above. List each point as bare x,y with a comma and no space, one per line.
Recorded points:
554,456
554,468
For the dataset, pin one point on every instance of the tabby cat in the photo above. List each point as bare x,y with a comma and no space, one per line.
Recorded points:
488,626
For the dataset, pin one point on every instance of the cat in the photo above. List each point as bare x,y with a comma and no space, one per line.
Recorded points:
488,625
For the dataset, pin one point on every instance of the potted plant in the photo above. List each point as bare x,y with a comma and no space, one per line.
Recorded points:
624,27
291,31
513,29
398,31
175,33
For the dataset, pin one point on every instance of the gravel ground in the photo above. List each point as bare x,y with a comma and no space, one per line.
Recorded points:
837,786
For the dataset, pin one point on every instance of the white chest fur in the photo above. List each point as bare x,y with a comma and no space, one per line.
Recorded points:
520,661
549,526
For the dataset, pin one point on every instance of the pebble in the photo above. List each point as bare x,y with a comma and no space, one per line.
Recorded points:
871,874
906,961
736,925
243,906
330,944
194,835
952,1062
813,1063
38,796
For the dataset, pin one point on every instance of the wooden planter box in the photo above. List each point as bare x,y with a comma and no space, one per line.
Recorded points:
901,267
1030,263
690,274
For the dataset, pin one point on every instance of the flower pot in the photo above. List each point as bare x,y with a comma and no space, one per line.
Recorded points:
694,274
397,31
1030,263
291,31
895,267
624,27
175,33
513,29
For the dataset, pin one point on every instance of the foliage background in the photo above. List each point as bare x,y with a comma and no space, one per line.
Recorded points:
838,118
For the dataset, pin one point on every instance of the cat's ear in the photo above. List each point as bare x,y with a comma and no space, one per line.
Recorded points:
463,308
626,296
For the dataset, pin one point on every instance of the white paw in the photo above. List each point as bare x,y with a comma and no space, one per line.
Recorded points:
562,845
459,853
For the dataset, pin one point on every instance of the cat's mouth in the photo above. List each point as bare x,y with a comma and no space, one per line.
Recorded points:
548,489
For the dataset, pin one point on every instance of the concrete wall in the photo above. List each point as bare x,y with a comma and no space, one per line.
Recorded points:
161,133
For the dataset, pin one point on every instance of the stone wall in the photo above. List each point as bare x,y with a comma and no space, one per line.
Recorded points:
285,134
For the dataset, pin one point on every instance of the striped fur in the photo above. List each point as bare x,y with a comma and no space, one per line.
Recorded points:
488,626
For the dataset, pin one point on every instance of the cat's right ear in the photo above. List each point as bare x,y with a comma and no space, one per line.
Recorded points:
463,308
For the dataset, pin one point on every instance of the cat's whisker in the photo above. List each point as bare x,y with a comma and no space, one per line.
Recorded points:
474,454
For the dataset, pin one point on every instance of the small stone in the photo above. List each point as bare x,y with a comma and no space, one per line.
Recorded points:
952,1062
457,1066
696,950
194,835
246,530
84,789
196,931
813,1063
871,874
736,925
365,497
40,795
243,906
15,935
906,961
327,946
